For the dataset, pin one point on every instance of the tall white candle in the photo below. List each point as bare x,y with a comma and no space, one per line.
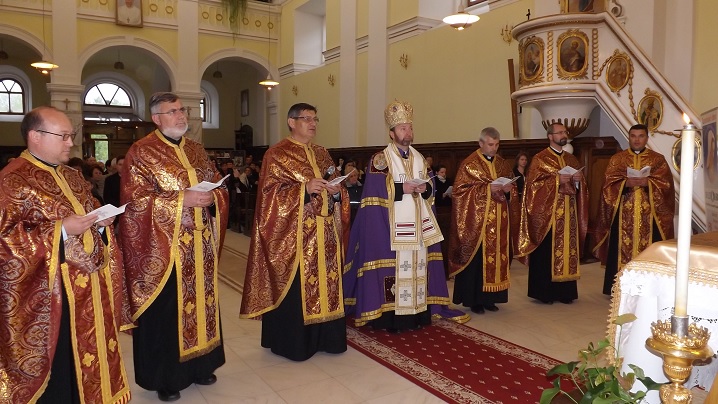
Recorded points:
685,215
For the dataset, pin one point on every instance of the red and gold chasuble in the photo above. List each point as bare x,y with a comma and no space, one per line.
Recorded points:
563,213
477,219
34,198
159,235
291,238
638,207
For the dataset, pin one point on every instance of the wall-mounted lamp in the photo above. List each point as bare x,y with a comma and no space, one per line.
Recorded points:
404,60
295,90
330,79
506,34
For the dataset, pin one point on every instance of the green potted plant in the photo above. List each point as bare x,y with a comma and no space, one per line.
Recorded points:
236,10
596,377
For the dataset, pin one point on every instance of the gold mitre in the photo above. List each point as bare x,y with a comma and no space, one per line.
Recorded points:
398,112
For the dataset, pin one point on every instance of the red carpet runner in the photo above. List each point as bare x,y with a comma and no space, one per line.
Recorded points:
458,363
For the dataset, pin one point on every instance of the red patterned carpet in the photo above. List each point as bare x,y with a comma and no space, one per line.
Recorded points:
458,363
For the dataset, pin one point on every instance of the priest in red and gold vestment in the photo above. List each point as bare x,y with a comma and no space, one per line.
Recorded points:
554,219
61,276
634,211
479,241
171,240
293,280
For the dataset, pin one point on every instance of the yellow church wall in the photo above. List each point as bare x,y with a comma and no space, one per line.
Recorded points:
286,53
705,82
333,24
402,10
457,81
362,17
362,89
89,32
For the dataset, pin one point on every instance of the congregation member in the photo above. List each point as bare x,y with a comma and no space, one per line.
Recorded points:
355,189
554,220
479,241
521,163
62,292
444,187
294,270
171,240
394,275
636,211
111,193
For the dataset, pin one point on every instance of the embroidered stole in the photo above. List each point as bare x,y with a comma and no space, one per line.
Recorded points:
413,229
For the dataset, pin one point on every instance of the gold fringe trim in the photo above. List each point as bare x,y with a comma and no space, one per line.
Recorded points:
497,287
324,319
200,352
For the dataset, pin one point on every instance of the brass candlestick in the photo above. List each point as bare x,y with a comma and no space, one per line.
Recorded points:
678,350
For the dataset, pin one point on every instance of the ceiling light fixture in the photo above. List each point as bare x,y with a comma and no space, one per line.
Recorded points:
3,54
269,81
45,67
461,19
217,74
119,65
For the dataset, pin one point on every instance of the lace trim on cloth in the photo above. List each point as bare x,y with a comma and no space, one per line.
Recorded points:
647,289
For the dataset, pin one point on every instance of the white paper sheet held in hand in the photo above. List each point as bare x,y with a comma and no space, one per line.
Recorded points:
107,211
569,170
642,173
419,181
338,180
206,186
503,181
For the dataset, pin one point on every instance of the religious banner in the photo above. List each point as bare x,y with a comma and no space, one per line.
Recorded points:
710,177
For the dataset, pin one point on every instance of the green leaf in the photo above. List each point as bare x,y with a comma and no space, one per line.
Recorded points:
562,369
625,318
548,395
650,383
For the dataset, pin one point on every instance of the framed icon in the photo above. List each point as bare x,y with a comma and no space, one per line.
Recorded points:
676,153
129,13
710,152
582,6
531,61
618,72
572,62
244,102
650,110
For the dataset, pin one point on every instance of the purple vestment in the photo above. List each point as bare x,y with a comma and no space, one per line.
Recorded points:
371,264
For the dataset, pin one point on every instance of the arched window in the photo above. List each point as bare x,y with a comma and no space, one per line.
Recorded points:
109,95
209,106
12,97
15,94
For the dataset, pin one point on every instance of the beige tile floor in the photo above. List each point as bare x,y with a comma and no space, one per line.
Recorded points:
254,375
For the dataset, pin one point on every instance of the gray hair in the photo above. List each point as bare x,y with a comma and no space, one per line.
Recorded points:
489,131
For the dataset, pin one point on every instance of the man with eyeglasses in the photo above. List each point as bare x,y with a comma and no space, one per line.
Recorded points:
636,209
395,277
171,239
62,291
554,219
294,269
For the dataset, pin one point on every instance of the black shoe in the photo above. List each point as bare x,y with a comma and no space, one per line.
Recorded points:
165,395
212,379
566,301
392,330
491,307
546,301
478,309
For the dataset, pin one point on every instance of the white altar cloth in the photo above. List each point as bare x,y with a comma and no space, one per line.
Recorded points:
646,288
